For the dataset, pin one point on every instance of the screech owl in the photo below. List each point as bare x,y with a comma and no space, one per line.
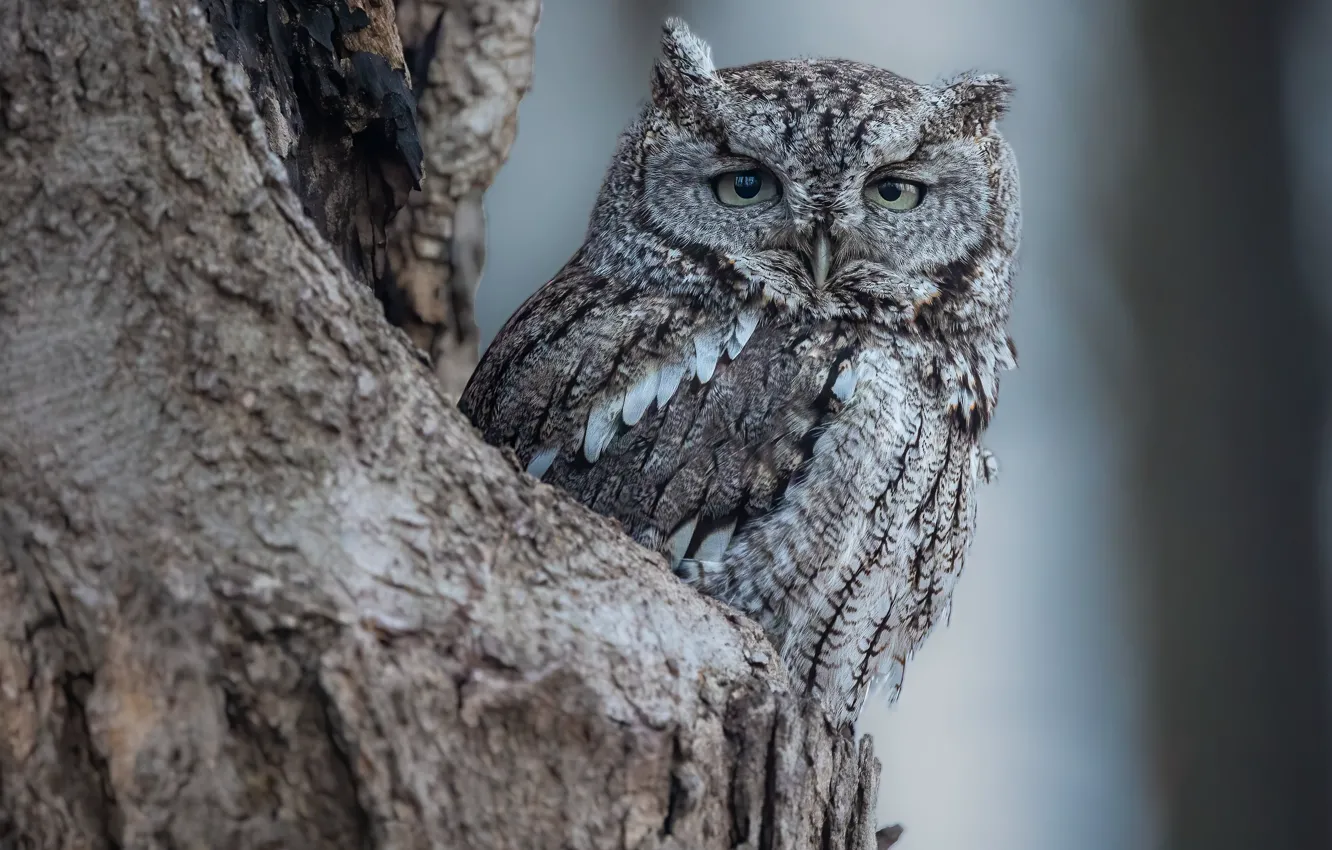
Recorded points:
774,354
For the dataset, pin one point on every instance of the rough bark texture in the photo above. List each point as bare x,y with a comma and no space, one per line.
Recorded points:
471,63
260,585
329,79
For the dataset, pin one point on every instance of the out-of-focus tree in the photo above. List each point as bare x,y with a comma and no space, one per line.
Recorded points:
1228,401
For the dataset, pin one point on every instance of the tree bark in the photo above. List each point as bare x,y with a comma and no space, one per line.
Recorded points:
471,63
261,585
329,79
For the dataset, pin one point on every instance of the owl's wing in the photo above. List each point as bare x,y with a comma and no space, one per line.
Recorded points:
683,420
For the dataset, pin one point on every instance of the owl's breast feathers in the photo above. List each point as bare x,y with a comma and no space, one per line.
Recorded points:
816,475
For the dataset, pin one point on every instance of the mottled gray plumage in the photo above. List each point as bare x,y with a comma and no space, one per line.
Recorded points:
784,398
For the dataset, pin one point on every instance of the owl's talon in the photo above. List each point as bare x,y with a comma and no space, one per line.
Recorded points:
692,570
888,836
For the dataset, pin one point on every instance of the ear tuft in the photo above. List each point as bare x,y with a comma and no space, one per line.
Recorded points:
970,104
684,69
685,52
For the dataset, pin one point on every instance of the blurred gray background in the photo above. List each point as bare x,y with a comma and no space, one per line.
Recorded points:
1106,680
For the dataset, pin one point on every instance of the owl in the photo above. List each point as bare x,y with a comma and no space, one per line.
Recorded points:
774,354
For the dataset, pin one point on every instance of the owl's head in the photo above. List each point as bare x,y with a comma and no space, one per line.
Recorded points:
826,182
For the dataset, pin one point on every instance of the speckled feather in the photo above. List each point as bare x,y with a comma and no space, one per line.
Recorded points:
806,451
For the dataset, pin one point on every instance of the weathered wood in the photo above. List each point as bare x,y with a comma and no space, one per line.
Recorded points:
471,63
260,584
330,82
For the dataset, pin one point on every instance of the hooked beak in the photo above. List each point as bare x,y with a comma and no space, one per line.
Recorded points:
820,261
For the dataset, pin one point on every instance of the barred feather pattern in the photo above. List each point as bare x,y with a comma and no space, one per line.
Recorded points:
805,448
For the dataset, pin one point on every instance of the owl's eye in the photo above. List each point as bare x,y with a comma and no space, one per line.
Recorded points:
745,188
896,195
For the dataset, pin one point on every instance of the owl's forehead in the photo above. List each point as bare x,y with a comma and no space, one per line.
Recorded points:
815,115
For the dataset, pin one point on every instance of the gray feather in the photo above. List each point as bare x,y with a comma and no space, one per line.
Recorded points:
856,517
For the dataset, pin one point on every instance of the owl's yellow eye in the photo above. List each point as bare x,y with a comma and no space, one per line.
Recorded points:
896,195
745,188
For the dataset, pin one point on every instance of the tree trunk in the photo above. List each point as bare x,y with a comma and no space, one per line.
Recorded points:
1230,397
261,586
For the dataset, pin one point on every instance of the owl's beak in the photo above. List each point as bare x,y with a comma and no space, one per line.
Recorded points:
821,259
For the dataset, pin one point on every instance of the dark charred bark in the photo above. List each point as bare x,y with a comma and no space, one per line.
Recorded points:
329,79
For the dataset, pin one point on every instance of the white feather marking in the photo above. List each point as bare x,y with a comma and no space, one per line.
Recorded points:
707,348
744,328
886,683
713,546
600,429
733,347
845,385
639,398
541,461
680,540
671,375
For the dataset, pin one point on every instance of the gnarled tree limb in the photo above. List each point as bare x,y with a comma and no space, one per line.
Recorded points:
260,584
471,64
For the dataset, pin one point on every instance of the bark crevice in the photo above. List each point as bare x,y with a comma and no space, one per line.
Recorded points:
79,739
54,664
346,771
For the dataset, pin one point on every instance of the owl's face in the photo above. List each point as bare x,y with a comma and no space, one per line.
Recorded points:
829,173
809,149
